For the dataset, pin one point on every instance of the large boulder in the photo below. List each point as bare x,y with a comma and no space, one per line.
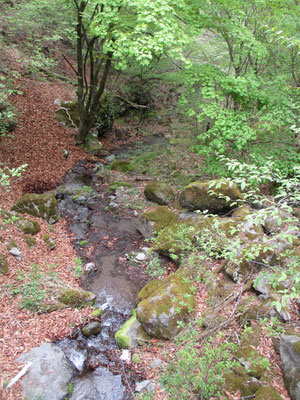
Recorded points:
162,304
49,376
39,205
153,221
290,355
215,196
159,193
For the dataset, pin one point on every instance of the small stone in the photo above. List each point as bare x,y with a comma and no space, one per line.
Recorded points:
91,329
125,356
156,363
140,256
145,249
113,205
14,251
140,386
57,102
89,267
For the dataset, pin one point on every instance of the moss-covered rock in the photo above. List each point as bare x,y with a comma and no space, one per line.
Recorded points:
92,145
240,380
76,298
169,302
30,241
93,328
49,241
3,264
161,217
97,313
122,166
252,360
159,193
39,205
68,114
28,226
198,196
131,333
11,244
267,393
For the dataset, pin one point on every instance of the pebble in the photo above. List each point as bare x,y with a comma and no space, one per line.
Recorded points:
141,256
125,356
113,205
16,253
89,267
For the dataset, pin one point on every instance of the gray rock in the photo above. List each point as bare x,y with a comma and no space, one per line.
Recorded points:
113,205
99,385
290,355
57,102
140,386
151,387
145,228
49,375
16,253
156,363
92,328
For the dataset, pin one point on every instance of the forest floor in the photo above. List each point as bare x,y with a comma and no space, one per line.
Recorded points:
38,141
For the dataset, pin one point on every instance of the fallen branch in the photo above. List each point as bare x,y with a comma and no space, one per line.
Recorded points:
134,105
19,375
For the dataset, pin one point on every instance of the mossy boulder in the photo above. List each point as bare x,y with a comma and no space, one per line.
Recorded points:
76,298
267,393
215,196
252,360
68,114
75,190
39,205
159,193
290,356
160,217
49,241
175,239
92,145
28,226
122,166
240,380
169,301
3,264
131,333
30,241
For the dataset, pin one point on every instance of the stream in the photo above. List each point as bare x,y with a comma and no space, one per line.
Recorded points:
110,237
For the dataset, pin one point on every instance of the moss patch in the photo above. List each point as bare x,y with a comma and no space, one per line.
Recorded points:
49,241
267,393
162,217
131,333
11,244
3,264
28,226
30,241
76,298
122,166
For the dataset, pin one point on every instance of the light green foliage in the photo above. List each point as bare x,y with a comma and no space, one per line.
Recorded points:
198,373
243,78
